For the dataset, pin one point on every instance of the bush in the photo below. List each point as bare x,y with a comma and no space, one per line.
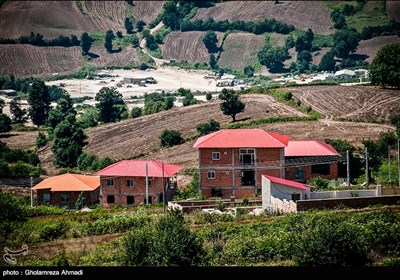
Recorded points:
171,138
331,244
41,140
319,182
166,243
53,231
208,127
136,112
208,96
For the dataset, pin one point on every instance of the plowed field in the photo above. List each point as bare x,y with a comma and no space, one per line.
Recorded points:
360,103
302,14
371,46
187,46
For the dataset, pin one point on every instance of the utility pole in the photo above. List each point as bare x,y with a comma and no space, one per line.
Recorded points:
366,167
31,191
147,185
390,177
348,166
163,186
398,160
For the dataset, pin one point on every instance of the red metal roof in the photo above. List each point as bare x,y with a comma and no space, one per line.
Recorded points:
69,182
288,183
309,148
242,138
137,168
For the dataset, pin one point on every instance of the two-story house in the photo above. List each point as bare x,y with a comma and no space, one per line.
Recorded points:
124,183
232,161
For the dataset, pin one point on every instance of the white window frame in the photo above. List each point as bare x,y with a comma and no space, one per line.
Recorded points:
110,180
130,180
210,172
216,156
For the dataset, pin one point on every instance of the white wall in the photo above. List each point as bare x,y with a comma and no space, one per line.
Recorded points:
344,194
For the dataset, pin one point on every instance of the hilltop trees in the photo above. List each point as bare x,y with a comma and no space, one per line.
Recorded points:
110,106
39,102
232,104
385,68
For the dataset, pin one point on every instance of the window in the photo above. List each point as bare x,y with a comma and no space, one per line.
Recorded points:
247,156
149,181
130,199
295,196
211,175
64,198
248,178
299,176
216,192
110,182
216,156
129,183
110,199
323,169
150,200
46,197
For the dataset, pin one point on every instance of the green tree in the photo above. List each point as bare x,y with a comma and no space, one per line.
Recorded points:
108,101
19,115
208,96
327,62
213,62
39,102
249,71
210,40
272,57
136,112
171,138
153,245
108,40
86,43
188,97
385,68
231,105
80,203
89,117
128,25
345,41
69,139
208,127
59,113
139,25
5,123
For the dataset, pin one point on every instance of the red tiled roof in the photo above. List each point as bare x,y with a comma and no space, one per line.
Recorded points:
242,138
288,183
69,182
309,148
137,168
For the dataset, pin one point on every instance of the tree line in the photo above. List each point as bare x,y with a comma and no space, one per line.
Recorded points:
36,39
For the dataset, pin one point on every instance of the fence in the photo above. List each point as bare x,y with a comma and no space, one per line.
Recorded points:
20,182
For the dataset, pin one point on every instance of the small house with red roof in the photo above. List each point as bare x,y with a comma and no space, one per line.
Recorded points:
124,183
231,161
307,159
64,190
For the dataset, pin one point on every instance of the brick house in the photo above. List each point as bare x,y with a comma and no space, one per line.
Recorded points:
232,161
124,183
307,159
64,190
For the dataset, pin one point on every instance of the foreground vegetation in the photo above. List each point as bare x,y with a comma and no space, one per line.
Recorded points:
314,238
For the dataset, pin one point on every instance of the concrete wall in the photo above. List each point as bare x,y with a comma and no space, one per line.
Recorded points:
282,192
120,191
344,194
354,202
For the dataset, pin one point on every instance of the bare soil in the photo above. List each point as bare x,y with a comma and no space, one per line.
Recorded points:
302,14
393,10
371,46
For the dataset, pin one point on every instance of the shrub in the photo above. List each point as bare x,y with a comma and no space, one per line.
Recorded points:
41,140
171,138
208,96
319,182
53,231
208,127
166,243
136,112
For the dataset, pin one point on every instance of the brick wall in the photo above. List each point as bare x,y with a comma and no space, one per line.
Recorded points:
290,172
390,191
90,197
354,202
121,191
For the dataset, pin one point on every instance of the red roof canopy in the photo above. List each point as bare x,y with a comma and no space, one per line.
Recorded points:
242,138
309,148
137,168
288,183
